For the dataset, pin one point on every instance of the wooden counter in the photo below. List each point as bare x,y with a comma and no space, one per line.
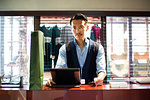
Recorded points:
85,92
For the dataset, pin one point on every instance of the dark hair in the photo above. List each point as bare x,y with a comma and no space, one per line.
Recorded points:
79,16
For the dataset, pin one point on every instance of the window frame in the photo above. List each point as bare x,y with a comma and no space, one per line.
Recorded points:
103,15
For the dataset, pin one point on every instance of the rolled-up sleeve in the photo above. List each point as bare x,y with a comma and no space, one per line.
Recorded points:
61,61
100,60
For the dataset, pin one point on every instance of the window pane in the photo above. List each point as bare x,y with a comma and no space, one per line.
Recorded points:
15,46
117,47
128,46
140,46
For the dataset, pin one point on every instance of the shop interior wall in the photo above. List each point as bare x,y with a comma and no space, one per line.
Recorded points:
75,5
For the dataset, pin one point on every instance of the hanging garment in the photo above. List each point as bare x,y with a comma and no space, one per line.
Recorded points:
48,48
47,60
55,31
92,37
95,33
66,34
46,31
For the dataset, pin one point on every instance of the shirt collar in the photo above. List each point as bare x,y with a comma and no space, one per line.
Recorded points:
86,41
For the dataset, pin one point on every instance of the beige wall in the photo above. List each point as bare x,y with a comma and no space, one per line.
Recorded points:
97,5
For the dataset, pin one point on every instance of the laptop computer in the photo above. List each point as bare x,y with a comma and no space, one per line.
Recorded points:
66,77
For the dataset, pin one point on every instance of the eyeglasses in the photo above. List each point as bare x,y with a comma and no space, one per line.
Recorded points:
80,28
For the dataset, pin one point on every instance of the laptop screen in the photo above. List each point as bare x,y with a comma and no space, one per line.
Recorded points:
66,76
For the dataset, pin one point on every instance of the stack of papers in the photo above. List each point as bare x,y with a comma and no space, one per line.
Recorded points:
118,84
144,80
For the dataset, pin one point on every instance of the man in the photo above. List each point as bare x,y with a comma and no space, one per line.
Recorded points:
82,53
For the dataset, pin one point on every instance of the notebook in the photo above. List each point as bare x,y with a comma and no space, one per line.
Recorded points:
66,77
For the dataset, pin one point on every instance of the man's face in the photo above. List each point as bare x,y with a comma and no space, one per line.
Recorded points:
79,29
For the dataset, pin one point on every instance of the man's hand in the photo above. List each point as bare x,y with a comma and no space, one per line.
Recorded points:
50,82
99,80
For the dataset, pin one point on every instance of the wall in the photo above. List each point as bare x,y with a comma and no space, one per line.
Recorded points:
88,5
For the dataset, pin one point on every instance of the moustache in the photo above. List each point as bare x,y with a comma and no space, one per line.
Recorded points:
78,34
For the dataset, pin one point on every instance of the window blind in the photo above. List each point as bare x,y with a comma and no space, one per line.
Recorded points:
15,46
128,46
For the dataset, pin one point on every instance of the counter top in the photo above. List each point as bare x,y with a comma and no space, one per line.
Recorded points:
85,87
84,92
103,87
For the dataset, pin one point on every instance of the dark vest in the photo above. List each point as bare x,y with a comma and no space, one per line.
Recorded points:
89,68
